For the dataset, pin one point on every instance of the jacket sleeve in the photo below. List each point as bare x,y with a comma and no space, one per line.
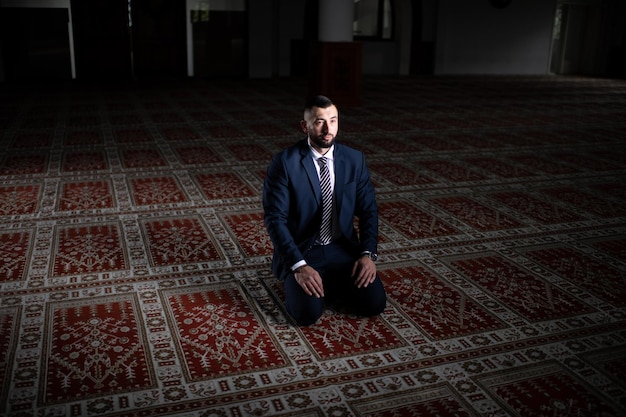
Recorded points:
282,212
366,209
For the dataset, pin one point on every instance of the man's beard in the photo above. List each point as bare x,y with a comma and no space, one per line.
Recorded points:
321,143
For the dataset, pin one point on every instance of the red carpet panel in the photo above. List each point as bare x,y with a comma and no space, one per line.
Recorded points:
134,263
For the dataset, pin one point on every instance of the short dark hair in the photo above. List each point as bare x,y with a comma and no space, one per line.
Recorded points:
317,101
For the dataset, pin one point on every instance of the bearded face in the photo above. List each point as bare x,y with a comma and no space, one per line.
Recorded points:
321,125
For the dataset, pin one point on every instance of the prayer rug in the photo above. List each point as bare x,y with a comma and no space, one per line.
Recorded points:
135,276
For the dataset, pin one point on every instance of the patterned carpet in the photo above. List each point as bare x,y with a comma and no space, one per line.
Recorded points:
134,263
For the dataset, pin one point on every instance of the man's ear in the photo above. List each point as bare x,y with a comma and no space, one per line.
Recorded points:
303,126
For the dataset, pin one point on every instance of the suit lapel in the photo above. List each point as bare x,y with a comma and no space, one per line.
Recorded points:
307,164
340,176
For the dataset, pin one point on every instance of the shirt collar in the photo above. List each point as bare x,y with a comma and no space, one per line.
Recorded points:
317,155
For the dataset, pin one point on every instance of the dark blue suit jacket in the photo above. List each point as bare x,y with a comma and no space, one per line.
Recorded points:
292,203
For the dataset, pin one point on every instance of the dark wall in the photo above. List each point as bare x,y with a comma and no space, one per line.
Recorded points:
159,38
102,44
110,45
35,44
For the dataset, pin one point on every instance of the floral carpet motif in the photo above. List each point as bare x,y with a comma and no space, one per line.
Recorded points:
135,276
95,347
479,216
412,221
217,334
440,310
88,249
75,161
531,297
14,251
16,200
179,241
547,387
156,190
585,271
85,195
249,231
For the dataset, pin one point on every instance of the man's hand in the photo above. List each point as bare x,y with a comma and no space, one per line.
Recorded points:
310,281
364,271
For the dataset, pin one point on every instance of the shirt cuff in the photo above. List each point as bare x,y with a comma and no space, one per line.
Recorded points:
298,265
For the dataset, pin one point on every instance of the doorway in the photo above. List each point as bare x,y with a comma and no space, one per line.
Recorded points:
102,39
578,41
129,39
158,38
218,41
124,39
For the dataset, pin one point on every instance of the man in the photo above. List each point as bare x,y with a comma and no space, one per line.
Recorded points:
317,251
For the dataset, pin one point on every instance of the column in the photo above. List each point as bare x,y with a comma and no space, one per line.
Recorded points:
336,58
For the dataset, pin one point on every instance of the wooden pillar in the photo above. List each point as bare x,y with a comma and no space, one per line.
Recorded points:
336,60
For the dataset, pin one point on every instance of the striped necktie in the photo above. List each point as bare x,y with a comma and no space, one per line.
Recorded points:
326,228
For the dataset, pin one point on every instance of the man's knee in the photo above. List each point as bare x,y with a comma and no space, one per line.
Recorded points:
305,316
377,307
374,300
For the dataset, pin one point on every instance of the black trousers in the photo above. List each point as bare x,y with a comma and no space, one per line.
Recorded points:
334,263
